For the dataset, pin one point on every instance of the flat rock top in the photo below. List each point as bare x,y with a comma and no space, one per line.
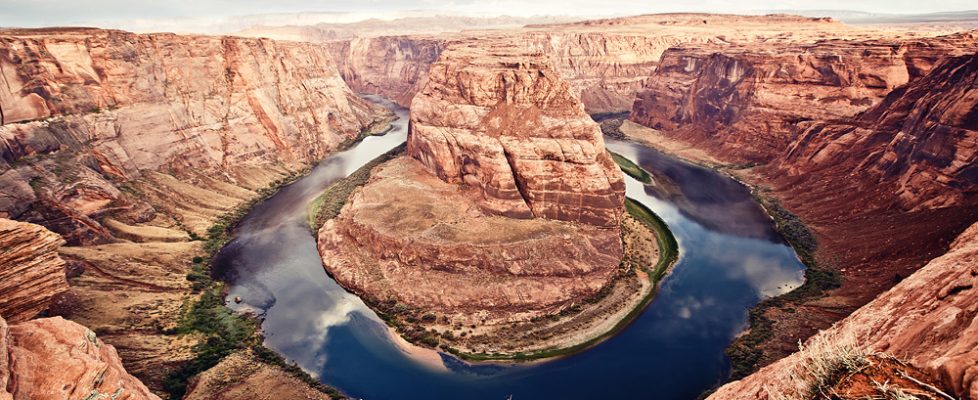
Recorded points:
432,210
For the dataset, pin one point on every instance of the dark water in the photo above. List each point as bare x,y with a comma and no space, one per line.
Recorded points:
730,259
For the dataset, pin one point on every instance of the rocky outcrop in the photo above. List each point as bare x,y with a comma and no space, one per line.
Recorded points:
437,251
509,213
54,359
746,101
499,120
31,272
928,320
85,111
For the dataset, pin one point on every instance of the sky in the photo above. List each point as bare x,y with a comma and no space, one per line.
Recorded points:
137,14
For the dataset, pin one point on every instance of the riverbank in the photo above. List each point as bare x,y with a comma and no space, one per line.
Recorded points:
543,337
745,351
220,332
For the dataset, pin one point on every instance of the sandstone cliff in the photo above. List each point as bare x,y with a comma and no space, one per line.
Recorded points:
54,359
31,272
927,320
501,122
85,111
745,101
606,62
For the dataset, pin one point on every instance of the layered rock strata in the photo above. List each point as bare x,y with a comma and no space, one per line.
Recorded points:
54,359
129,146
927,320
501,122
86,111
746,100
31,272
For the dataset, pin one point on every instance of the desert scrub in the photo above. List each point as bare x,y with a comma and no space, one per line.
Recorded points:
328,205
632,169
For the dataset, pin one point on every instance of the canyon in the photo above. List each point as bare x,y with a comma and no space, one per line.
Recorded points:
132,147
135,153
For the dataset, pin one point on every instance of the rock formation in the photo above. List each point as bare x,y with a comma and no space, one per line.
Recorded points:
85,110
31,272
502,123
927,320
54,359
509,208
746,100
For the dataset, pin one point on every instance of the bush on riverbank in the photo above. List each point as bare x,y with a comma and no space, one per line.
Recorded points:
745,353
633,170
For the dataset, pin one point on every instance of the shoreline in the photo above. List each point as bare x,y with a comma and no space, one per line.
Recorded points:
743,351
569,341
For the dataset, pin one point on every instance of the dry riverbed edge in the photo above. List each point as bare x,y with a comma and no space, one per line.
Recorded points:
650,252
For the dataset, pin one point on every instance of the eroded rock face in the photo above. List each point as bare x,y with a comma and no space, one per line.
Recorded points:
745,101
54,359
922,138
31,272
928,320
499,120
86,111
393,66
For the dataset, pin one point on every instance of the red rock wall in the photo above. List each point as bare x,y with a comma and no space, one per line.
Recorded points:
54,359
87,110
31,272
929,320
498,119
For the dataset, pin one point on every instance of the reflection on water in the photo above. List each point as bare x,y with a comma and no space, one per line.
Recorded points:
730,259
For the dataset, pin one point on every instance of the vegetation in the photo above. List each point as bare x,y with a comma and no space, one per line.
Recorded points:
328,205
745,352
222,331
633,170
668,246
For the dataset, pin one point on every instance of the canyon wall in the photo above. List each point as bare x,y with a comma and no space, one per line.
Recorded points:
87,110
745,101
927,320
31,272
872,144
500,121
54,359
606,62
132,146
395,67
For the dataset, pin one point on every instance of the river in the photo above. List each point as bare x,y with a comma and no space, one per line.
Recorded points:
730,258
